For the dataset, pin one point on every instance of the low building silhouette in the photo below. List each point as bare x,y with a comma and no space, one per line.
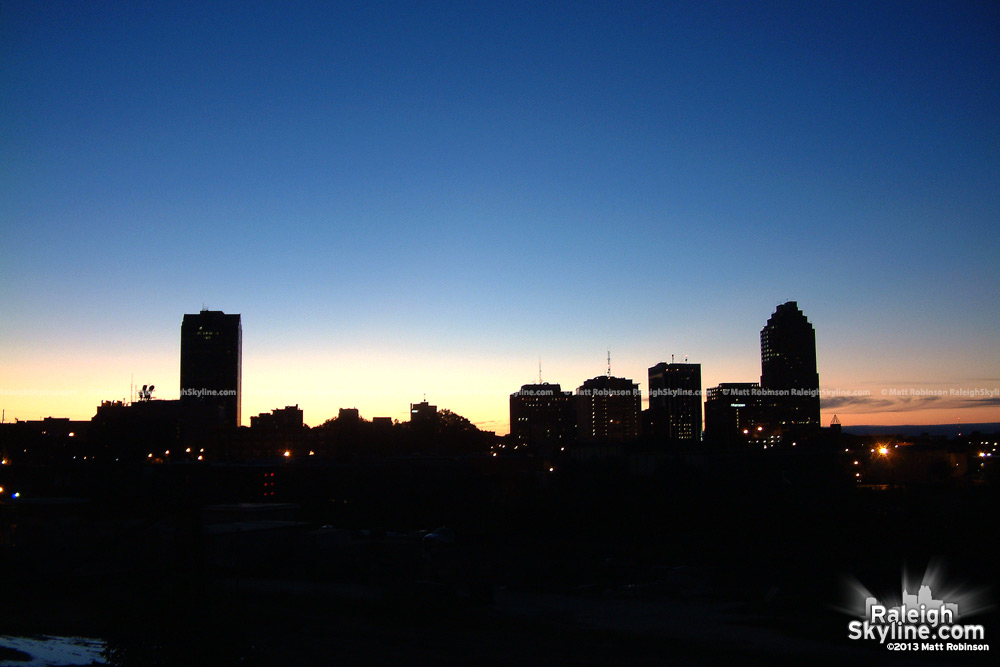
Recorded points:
733,412
279,419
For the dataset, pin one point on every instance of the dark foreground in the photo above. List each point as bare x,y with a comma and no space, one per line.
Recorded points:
418,564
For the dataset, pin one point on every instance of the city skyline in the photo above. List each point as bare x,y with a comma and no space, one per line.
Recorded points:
403,201
215,318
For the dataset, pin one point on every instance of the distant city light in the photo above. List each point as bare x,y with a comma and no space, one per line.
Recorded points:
16,495
71,434
287,453
883,450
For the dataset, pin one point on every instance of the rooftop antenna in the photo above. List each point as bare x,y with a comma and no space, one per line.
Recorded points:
685,358
609,363
539,370
671,358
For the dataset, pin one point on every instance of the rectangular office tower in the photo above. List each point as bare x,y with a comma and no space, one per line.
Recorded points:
733,413
542,418
675,401
211,363
607,410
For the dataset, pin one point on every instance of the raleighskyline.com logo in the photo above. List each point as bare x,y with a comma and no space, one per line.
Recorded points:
920,623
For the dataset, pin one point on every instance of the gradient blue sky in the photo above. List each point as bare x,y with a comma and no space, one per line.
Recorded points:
409,198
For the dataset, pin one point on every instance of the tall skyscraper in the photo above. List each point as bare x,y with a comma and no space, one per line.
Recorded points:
788,378
211,363
607,410
675,401
542,418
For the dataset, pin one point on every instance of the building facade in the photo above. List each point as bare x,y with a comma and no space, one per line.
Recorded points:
608,410
789,381
675,401
211,363
542,418
733,412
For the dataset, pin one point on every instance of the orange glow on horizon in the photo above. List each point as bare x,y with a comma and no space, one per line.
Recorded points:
379,383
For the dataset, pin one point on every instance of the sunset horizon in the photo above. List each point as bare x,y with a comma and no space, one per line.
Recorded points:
405,202
866,403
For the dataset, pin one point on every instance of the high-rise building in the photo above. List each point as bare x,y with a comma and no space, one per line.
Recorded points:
607,410
788,378
675,401
211,363
733,412
542,418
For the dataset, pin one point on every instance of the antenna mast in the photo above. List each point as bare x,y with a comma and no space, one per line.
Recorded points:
609,363
539,370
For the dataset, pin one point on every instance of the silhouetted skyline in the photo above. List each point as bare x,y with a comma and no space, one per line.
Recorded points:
404,201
